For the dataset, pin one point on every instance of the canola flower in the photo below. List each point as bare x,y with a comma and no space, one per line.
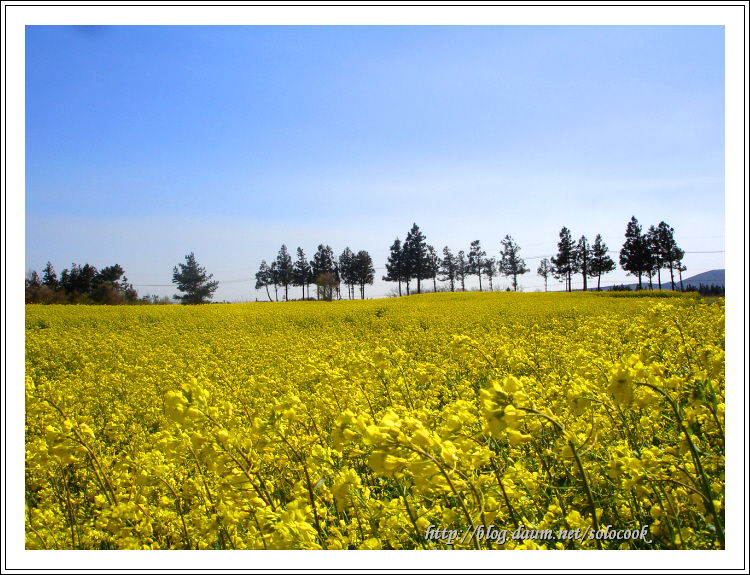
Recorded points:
357,424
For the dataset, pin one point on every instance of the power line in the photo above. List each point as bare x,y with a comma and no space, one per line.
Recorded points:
242,280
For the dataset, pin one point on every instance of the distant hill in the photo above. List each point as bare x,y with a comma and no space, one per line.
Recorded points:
713,277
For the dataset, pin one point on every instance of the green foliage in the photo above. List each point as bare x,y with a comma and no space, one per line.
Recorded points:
191,279
564,263
81,285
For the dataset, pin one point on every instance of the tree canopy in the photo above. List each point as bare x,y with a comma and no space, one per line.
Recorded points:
191,280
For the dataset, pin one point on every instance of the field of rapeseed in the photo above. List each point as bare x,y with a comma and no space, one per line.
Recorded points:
358,424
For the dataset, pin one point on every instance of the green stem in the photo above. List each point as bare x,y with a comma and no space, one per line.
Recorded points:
705,487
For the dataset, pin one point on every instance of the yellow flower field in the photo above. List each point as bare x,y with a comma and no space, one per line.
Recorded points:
360,424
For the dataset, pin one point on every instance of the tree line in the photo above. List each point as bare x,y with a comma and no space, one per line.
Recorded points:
644,255
80,284
326,271
415,259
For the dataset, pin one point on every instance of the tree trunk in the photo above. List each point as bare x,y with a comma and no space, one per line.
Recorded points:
680,270
269,293
659,272
434,284
480,281
599,282
585,284
399,288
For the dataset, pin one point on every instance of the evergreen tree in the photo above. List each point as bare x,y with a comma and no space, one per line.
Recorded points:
337,276
263,278
348,272
274,276
110,287
583,255
33,280
601,263
302,272
677,255
49,277
433,266
285,270
462,269
653,250
449,268
79,280
363,270
510,263
394,266
110,274
564,263
634,255
324,263
191,279
476,260
544,270
667,245
417,265
490,269
33,287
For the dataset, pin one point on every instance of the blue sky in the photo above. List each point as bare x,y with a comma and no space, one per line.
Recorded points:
144,143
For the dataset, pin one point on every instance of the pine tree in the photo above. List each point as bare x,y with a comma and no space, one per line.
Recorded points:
324,263
490,269
476,260
33,280
449,268
348,271
433,266
601,263
49,277
653,257
582,256
462,269
394,266
415,248
284,269
302,272
363,270
544,270
79,280
564,263
677,255
634,255
263,278
191,279
667,246
510,263
274,277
